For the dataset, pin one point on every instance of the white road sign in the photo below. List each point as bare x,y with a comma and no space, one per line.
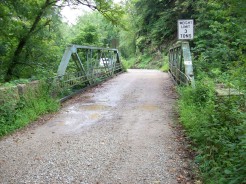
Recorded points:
185,29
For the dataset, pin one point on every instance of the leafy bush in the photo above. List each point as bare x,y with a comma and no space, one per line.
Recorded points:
128,63
217,128
33,103
143,61
165,66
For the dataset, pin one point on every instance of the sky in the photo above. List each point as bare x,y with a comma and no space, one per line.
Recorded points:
70,14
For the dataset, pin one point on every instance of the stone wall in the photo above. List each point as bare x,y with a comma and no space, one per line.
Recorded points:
12,94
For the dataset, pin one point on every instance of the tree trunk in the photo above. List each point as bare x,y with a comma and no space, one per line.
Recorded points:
22,42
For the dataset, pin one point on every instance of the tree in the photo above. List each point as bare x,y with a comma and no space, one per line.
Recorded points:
157,22
30,18
218,39
94,29
128,36
35,26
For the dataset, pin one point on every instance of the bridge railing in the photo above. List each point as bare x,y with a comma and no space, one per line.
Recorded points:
180,64
91,65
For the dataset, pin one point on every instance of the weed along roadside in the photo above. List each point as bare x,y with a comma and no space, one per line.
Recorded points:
24,104
217,129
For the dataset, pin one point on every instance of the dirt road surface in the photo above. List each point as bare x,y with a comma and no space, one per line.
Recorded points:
119,132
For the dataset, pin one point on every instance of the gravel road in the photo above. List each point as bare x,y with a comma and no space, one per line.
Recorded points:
118,132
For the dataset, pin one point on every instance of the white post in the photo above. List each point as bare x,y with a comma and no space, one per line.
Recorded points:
188,62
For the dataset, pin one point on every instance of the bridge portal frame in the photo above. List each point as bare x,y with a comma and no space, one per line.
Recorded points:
103,54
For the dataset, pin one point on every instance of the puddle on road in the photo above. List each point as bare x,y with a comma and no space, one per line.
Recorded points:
148,107
60,124
78,116
95,116
94,107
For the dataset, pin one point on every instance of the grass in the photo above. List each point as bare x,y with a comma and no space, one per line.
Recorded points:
147,61
217,128
35,102
129,63
165,66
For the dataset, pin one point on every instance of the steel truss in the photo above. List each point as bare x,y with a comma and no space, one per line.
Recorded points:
180,64
92,65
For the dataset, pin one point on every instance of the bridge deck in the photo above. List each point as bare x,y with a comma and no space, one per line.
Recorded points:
118,132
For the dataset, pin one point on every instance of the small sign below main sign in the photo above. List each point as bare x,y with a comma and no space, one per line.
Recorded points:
186,29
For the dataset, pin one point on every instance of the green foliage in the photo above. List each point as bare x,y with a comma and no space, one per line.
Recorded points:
88,35
149,61
94,29
218,40
31,39
219,26
35,102
143,61
157,22
129,63
165,66
217,128
113,12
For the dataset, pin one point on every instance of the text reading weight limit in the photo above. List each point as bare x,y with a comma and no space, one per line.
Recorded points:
185,29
